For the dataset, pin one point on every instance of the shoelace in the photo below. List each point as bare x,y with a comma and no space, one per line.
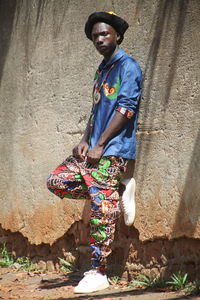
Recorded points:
91,272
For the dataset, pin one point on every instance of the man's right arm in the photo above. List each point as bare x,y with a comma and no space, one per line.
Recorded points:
80,151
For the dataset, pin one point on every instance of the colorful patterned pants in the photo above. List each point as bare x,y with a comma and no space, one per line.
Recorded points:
99,183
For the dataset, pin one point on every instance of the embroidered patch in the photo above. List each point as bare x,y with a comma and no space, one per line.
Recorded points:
111,92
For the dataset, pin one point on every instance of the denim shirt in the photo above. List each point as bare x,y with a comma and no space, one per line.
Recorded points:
121,89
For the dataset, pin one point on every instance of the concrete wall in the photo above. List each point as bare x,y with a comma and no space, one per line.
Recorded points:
46,73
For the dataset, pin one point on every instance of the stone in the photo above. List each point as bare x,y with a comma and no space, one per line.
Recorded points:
50,266
42,265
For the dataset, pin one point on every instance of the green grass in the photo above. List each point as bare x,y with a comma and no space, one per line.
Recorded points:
22,263
114,279
6,259
25,264
178,280
148,281
66,266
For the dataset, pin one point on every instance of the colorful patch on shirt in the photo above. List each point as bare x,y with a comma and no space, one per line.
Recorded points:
124,111
111,92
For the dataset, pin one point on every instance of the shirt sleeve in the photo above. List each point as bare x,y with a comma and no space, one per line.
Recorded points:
130,88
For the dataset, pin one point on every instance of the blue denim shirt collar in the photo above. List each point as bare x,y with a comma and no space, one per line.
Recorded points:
113,59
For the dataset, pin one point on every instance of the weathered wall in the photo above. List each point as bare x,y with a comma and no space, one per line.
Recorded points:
46,72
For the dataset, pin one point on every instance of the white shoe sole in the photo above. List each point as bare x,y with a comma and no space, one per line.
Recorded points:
79,290
129,195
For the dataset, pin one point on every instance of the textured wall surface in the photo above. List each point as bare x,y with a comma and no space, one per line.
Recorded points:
46,73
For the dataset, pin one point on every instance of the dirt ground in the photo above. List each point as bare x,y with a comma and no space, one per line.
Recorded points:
24,285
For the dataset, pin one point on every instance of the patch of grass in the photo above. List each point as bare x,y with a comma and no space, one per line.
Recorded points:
22,263
66,266
178,280
148,281
25,264
114,279
6,259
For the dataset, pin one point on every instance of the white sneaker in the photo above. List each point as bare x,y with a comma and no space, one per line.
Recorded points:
92,281
128,201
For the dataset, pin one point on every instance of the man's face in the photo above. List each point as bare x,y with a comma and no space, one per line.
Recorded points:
105,39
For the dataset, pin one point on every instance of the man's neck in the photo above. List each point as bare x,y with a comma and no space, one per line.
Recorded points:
107,58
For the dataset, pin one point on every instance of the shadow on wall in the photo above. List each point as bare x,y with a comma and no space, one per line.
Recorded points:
163,17
7,14
10,13
36,21
188,212
42,7
161,23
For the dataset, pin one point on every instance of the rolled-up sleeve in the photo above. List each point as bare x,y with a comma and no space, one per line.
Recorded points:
130,88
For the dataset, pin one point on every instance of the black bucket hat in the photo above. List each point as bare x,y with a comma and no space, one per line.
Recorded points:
110,18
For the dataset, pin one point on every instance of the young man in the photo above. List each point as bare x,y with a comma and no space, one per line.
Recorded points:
100,159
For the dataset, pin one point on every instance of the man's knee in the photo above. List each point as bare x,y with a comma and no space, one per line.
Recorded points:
50,182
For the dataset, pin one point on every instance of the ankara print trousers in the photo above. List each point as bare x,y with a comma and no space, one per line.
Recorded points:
99,183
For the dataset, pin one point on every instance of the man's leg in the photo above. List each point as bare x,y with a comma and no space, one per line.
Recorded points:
102,222
66,181
103,183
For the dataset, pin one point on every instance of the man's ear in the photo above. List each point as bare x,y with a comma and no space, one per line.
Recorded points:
119,38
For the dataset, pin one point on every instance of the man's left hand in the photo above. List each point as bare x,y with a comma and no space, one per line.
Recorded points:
94,154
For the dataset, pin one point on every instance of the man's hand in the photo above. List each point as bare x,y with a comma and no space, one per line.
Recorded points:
80,151
94,154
